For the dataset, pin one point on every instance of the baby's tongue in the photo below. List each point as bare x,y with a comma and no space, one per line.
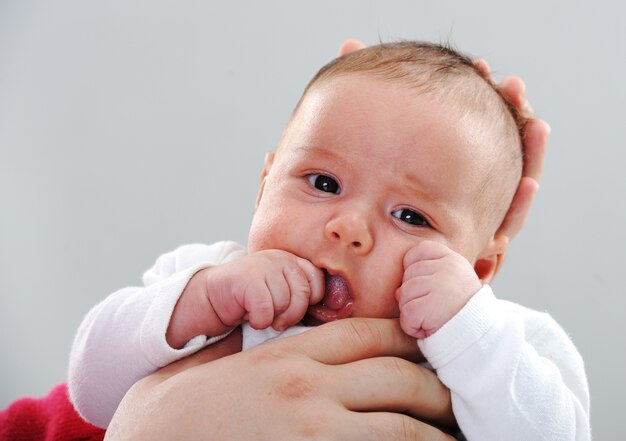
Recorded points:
337,293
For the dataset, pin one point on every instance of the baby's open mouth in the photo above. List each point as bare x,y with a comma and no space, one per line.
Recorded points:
336,304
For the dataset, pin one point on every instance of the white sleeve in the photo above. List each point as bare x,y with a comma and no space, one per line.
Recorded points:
513,373
122,339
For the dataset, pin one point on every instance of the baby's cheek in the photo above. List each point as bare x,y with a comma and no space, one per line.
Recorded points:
392,309
386,307
265,233
383,303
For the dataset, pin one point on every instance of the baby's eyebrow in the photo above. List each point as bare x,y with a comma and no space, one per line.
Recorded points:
320,150
312,148
414,186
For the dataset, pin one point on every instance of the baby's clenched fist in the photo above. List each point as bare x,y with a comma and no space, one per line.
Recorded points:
270,287
437,283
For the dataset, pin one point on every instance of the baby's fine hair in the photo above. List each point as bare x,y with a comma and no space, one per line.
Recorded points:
452,77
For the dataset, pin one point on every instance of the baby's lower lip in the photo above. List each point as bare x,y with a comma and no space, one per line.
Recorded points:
318,314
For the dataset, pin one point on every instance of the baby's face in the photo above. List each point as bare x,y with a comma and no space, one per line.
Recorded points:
365,171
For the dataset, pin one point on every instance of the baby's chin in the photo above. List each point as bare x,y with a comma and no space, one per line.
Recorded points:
336,304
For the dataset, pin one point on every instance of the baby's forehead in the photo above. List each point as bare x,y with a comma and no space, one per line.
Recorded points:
369,102
394,126
391,111
461,96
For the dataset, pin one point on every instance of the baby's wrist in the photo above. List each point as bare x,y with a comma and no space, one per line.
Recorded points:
193,314
455,308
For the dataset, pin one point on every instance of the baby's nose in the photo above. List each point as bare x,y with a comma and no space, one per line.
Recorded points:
351,230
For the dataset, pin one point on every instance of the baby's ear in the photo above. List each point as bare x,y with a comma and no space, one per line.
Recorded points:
269,160
489,260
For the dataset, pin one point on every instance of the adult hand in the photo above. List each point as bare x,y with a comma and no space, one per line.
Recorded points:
535,140
345,380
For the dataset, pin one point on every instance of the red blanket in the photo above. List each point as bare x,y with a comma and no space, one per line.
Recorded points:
51,418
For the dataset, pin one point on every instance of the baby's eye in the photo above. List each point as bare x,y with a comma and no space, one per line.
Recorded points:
324,183
410,217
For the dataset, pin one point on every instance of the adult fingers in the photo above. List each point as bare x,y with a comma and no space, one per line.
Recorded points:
350,45
339,424
519,209
394,385
512,87
377,426
536,131
536,135
514,90
483,66
352,339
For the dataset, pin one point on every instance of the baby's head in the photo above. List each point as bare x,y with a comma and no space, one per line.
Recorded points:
390,146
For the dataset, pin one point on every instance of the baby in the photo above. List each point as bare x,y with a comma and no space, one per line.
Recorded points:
382,200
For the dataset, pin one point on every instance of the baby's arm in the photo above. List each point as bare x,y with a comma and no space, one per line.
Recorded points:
513,373
195,292
270,287
122,339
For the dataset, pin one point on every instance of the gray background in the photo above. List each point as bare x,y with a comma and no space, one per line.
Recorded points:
128,128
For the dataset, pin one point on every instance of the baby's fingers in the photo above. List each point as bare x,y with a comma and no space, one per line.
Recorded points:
315,278
259,304
413,317
425,250
413,289
304,286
